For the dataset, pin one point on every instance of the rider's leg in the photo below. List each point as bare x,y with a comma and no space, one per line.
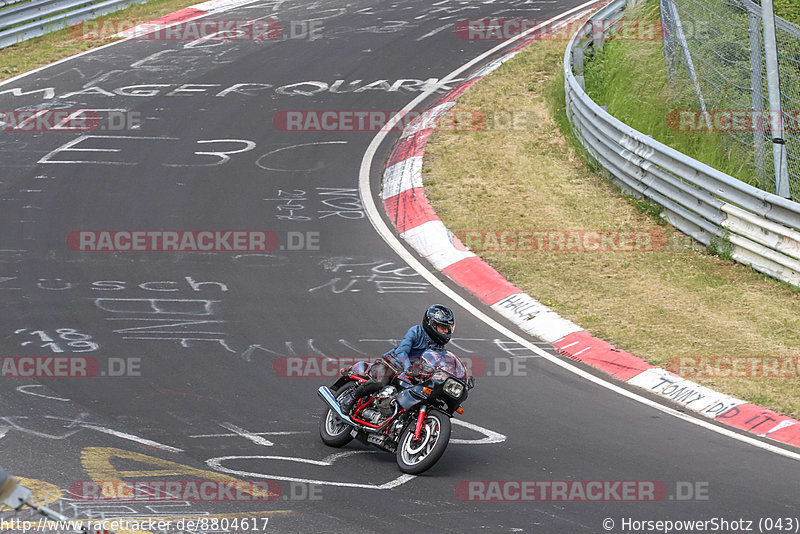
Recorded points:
362,390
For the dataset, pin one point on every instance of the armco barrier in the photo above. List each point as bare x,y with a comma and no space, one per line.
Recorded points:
763,229
24,20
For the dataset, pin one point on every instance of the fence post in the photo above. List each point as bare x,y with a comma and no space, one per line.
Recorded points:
577,60
667,37
775,111
687,56
596,34
757,97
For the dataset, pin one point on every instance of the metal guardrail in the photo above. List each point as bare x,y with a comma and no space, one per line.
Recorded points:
22,20
736,54
763,229
6,3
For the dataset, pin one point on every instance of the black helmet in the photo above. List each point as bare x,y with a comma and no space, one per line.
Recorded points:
439,323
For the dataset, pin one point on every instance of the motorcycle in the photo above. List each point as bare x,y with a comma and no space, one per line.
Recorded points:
410,417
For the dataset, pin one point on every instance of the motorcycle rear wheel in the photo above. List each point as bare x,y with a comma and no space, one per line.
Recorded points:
333,431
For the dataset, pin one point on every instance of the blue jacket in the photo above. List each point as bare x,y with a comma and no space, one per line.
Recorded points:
413,344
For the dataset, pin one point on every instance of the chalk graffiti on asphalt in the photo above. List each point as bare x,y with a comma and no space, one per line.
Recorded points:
354,275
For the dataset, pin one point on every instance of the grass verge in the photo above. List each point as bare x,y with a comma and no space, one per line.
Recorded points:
611,81
50,47
788,9
662,304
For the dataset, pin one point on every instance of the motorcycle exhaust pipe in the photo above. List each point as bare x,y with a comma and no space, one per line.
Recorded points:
327,396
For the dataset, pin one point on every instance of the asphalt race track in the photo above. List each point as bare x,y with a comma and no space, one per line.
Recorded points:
202,339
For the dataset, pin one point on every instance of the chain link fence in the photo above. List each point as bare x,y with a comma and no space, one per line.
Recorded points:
716,56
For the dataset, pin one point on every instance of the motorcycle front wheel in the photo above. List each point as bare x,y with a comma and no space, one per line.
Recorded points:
415,456
333,431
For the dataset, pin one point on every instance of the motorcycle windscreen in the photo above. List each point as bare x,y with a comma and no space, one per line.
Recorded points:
445,361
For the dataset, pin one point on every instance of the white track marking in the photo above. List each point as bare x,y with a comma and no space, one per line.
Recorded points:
491,436
15,426
312,348
326,462
258,440
23,389
351,346
224,157
131,437
290,147
216,465
281,433
388,235
432,33
67,147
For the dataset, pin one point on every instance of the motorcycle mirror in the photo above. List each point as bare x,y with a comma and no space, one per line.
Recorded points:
471,382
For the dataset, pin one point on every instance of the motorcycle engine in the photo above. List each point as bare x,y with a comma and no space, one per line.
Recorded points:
372,416
382,406
385,400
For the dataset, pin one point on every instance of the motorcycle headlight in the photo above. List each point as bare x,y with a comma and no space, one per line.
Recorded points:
453,388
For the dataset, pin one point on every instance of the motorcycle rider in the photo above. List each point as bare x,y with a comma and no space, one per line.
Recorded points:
435,331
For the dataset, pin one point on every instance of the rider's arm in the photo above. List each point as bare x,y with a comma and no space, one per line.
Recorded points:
404,347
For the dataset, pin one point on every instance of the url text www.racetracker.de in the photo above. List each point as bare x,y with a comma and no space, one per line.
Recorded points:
159,526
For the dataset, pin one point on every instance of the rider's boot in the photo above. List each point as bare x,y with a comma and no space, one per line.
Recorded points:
362,390
347,402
